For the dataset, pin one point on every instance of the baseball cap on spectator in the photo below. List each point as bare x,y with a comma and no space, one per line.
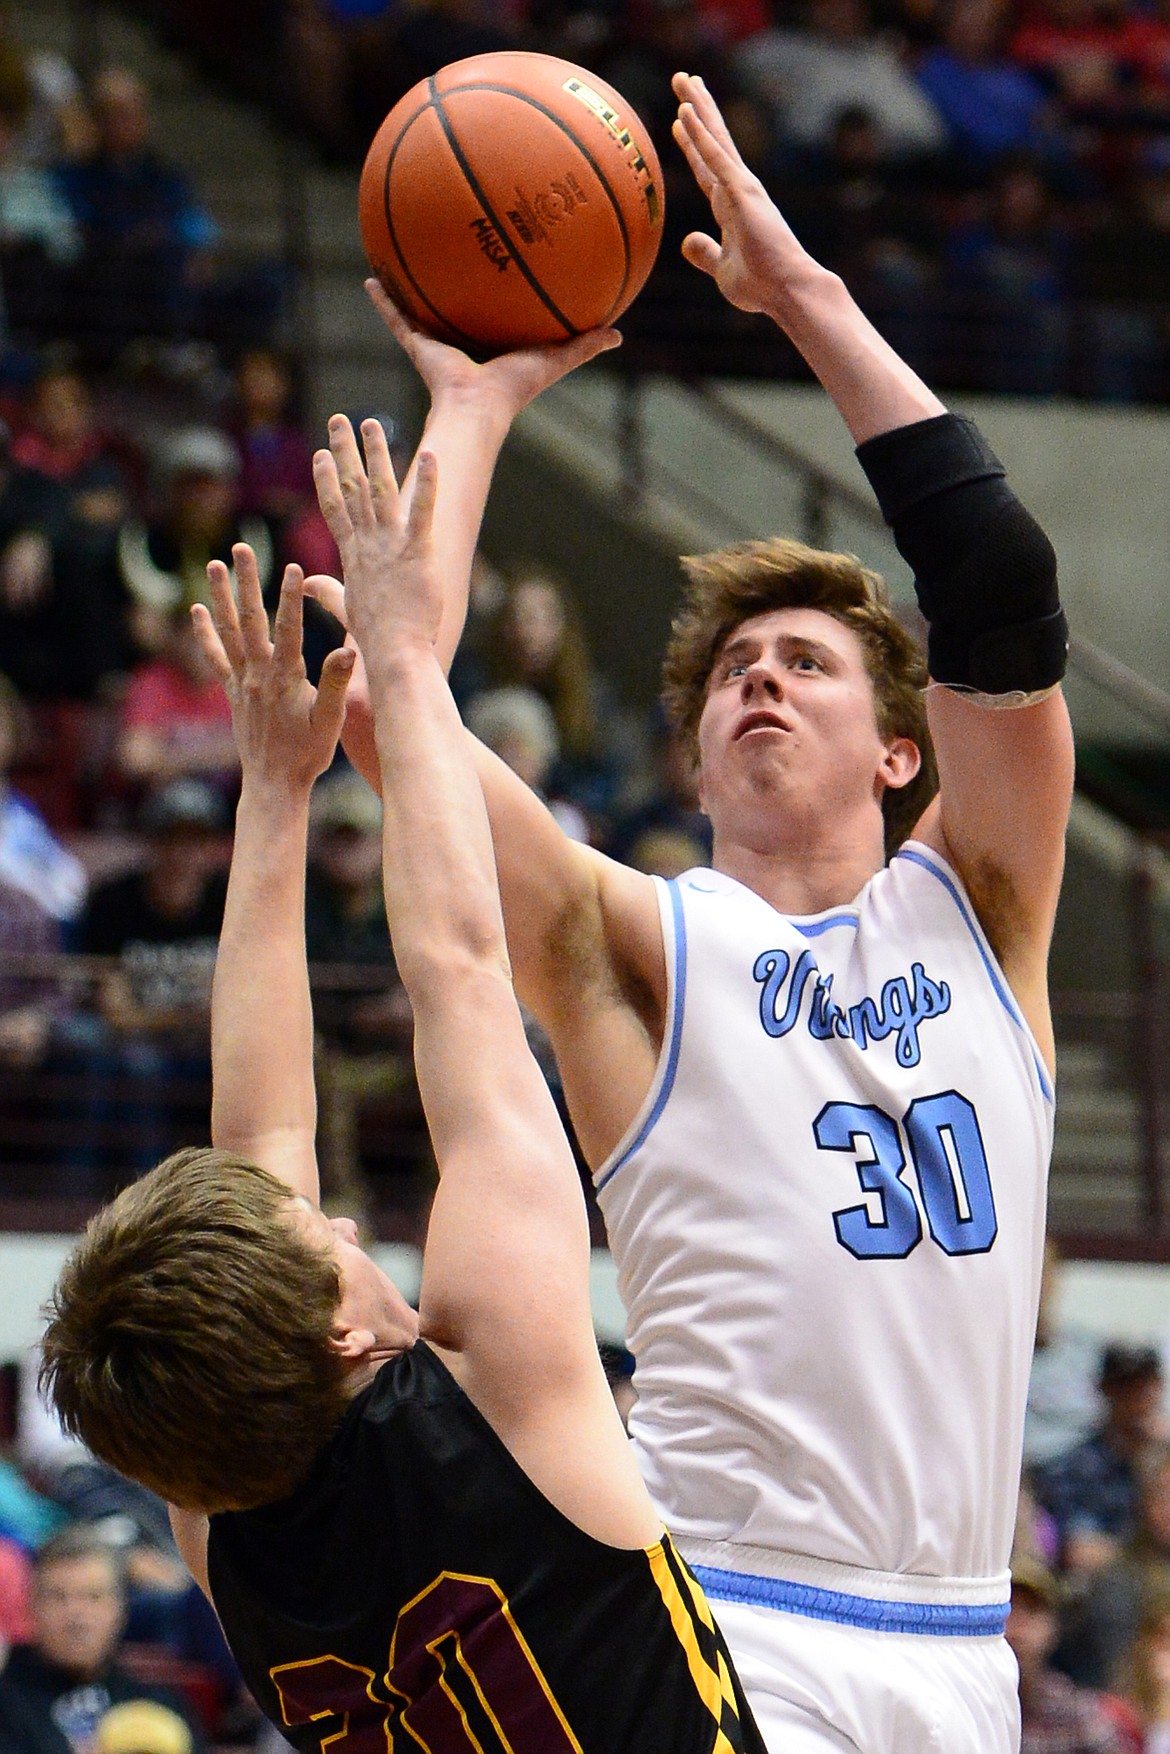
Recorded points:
344,800
184,803
198,450
1122,1363
141,1726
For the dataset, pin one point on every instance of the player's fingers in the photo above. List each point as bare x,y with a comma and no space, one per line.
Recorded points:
399,324
380,471
422,500
702,252
330,593
355,489
250,605
209,641
288,623
328,710
333,507
699,168
719,157
587,346
223,611
710,114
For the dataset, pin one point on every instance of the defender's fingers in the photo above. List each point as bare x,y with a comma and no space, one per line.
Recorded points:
422,500
709,114
705,177
223,612
329,592
702,252
721,160
288,624
351,473
333,507
250,605
209,641
380,471
328,710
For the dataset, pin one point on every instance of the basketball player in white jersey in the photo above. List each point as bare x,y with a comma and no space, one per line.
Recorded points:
815,1086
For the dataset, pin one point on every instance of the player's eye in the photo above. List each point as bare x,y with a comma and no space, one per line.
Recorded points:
806,661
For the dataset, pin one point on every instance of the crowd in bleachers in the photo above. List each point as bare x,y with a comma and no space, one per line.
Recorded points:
992,176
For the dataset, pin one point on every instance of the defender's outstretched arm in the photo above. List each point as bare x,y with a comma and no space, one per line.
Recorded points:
263,1101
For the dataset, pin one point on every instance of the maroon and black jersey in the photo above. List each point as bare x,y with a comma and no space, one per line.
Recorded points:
418,1592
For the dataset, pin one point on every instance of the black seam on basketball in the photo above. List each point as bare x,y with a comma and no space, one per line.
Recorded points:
501,229
599,173
452,328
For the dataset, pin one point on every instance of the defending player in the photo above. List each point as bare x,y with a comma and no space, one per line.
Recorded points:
424,1531
816,1088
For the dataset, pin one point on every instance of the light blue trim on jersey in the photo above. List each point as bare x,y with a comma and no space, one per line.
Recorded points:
676,1023
931,1619
814,928
993,974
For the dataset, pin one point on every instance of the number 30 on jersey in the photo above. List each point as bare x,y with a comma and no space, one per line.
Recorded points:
941,1136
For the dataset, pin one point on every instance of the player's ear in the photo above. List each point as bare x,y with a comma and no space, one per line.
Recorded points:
900,763
350,1342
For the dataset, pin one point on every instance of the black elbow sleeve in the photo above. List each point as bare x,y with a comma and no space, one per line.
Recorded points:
984,571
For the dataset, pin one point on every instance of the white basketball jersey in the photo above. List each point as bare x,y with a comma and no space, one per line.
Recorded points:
827,1221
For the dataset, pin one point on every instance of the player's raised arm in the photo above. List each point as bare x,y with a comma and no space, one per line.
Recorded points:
505,1281
984,571
263,1100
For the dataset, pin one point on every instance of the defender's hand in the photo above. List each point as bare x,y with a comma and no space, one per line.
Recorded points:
758,255
505,384
392,590
285,729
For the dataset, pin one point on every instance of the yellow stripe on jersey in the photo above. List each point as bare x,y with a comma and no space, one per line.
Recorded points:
691,1619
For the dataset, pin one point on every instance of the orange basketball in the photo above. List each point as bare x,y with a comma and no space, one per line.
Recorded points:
511,199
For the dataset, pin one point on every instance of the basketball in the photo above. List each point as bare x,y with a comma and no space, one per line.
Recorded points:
510,200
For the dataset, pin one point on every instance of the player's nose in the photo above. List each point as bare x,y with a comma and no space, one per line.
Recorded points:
761,679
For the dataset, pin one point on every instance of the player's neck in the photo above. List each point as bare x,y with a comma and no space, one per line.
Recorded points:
799,879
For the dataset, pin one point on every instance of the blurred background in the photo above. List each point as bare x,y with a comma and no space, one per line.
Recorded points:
182,306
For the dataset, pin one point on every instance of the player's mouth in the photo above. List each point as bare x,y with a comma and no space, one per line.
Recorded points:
760,720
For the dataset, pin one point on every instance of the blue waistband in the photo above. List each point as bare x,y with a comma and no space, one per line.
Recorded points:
935,1619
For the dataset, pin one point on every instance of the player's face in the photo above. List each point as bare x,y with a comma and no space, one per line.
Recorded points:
789,721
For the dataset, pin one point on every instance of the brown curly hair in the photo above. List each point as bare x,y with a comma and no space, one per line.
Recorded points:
728,587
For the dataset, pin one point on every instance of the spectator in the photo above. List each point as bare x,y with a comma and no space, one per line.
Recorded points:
163,559
673,804
39,241
16,1625
1104,1624
518,725
1063,1401
174,720
63,494
1149,1675
1008,270
163,921
69,1674
365,1027
32,860
1057,1717
809,77
146,238
1082,50
28,1001
142,1726
276,474
988,104
1093,1490
57,123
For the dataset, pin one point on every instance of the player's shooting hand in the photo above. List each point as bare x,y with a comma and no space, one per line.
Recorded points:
758,255
285,729
505,384
393,597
